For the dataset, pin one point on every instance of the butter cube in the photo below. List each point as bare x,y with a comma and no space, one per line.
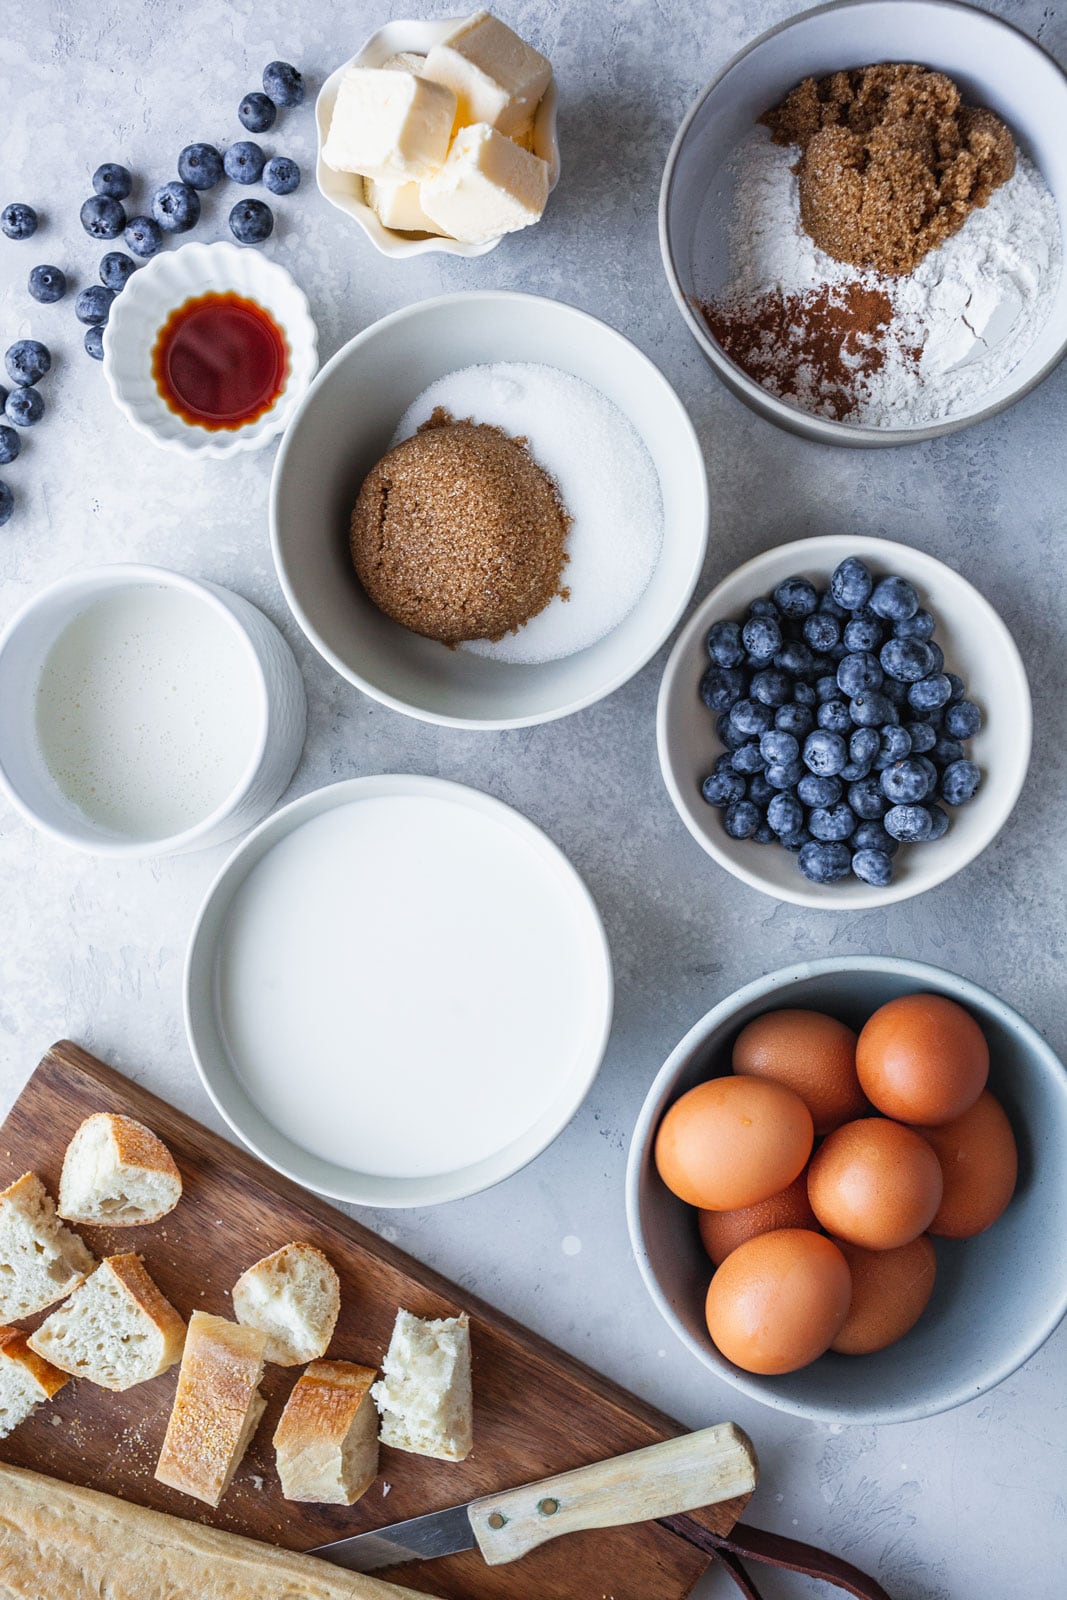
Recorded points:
488,186
397,204
496,77
404,61
389,124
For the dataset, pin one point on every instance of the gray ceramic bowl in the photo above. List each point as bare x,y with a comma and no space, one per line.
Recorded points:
995,64
998,1297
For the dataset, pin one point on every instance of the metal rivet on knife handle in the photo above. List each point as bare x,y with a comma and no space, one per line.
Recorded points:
548,1508
496,1519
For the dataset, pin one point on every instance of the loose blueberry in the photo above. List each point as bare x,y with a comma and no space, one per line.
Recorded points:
829,606
821,632
795,658
751,718
723,788
958,687
919,626
894,743
47,284
785,814
143,236
721,687
281,175
777,746
907,660
102,217
929,694
283,83
959,781
741,819
93,304
796,597
763,608
867,800
733,738
772,687
895,691
200,166
872,710
762,637
864,744
244,162
7,503
851,584
760,792
176,207
9,445
937,663
796,841
816,791
833,715
24,407
826,689
825,863
963,719
794,719
939,820
832,822
115,270
895,599
251,222
863,634
724,644
825,753
27,361
94,342
18,221
947,750
905,783
854,771
910,824
859,673
872,836
783,775
257,112
112,180
747,759
873,867
804,694
922,736
764,834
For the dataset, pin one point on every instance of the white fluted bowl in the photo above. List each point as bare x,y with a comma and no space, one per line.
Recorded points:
160,287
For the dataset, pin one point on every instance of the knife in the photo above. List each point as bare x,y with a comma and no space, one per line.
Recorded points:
698,1469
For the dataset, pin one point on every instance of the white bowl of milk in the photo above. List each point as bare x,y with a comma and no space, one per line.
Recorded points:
145,713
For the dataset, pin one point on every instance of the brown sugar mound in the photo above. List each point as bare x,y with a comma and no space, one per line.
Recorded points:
892,162
458,533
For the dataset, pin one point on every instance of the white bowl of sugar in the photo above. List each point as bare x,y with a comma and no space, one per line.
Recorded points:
145,713
598,417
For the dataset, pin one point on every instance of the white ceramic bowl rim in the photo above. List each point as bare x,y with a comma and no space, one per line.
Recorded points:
658,1098
581,701
362,1190
830,548
761,399
121,575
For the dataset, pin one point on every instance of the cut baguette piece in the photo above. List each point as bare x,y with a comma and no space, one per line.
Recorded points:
116,1172
326,1441
293,1296
25,1379
217,1407
41,1261
424,1395
117,1329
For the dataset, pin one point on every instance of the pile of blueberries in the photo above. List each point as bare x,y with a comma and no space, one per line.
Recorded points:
844,734
175,208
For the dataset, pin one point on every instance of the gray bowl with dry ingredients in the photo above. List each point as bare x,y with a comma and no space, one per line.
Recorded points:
726,229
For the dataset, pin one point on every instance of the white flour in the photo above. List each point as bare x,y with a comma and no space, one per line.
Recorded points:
973,306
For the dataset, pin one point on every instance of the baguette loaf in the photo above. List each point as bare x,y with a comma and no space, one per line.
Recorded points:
116,1172
58,1542
326,1441
25,1380
43,1261
116,1329
216,1410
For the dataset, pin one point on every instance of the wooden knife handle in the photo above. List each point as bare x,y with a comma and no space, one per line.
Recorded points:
699,1469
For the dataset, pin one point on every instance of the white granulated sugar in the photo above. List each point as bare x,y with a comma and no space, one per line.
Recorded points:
607,482
973,306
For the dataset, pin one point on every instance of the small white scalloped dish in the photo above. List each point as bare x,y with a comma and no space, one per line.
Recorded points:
159,288
345,189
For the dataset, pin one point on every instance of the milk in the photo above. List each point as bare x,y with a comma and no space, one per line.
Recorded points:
147,710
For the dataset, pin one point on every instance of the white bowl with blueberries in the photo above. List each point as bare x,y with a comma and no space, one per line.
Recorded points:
844,722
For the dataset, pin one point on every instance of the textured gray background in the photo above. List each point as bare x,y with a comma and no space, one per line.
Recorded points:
968,1504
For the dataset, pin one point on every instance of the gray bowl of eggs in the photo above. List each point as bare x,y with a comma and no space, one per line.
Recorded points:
845,1190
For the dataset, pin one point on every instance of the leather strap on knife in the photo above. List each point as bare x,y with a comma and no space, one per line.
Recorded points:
773,1550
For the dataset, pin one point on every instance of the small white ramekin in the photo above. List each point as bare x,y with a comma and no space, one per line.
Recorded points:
345,189
274,744
167,282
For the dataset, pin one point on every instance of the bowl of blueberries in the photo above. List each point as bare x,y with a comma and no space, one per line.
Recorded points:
844,722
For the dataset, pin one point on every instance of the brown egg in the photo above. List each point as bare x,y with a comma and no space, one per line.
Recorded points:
979,1163
873,1183
778,1301
723,1231
890,1291
733,1142
922,1059
812,1054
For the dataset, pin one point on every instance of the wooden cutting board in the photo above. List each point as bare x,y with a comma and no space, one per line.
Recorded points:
537,1410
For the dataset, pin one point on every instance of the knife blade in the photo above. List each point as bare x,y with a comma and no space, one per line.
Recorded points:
662,1480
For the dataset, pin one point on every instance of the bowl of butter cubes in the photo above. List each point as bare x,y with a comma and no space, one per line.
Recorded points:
440,135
